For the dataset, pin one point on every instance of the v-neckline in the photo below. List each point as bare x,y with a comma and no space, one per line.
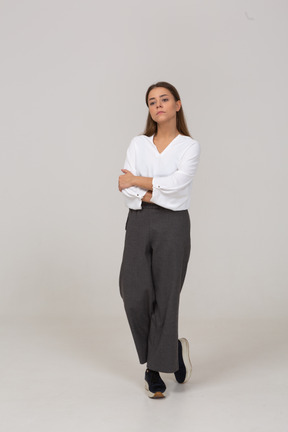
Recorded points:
160,153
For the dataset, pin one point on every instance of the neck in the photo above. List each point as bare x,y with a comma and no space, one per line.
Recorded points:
167,130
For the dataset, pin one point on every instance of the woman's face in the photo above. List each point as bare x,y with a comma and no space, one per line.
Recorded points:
162,105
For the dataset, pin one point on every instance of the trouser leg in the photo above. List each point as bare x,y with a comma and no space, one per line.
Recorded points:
156,253
171,249
136,285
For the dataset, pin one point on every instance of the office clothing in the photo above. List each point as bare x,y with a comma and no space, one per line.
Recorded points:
172,171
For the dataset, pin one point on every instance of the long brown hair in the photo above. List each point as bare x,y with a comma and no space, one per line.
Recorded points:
151,125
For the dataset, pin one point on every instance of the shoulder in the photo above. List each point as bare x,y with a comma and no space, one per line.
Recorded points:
189,144
188,140
139,141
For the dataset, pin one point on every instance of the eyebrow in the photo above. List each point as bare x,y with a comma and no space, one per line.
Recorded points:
159,96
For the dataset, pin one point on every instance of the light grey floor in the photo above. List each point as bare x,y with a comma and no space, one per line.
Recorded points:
83,375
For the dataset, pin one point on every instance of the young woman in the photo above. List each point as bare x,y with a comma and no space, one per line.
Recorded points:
156,184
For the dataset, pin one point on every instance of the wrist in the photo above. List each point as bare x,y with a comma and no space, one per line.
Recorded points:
135,181
143,182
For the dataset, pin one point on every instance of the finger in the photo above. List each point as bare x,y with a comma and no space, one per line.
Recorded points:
124,171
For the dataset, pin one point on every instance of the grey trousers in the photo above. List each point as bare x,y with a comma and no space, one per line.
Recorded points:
155,258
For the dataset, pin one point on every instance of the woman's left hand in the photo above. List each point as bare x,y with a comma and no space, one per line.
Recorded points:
126,180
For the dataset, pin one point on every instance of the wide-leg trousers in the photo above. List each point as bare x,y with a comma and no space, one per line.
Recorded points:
155,258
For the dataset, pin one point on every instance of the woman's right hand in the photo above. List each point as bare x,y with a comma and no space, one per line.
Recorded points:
147,197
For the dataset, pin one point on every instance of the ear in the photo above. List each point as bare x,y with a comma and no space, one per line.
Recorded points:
178,105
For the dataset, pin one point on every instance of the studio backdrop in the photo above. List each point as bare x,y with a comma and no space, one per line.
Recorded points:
73,81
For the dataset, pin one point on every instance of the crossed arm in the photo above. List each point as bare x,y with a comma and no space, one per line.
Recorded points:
127,179
173,187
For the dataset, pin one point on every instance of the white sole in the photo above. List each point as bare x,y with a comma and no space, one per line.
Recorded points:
157,395
186,358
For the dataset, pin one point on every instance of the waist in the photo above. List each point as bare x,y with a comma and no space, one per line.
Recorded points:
149,205
152,206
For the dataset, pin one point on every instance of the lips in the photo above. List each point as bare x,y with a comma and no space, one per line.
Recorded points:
160,112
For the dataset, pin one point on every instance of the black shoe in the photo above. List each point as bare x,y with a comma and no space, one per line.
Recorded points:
185,367
154,385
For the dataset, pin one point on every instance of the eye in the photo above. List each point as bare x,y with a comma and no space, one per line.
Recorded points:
165,100
152,103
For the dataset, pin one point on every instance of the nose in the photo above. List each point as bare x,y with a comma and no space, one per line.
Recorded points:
158,103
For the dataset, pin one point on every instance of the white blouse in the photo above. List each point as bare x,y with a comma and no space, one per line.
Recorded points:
172,171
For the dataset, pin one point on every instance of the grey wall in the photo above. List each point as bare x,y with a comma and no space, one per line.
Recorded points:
73,80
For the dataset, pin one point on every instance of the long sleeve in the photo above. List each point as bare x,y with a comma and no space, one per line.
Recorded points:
171,191
132,195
